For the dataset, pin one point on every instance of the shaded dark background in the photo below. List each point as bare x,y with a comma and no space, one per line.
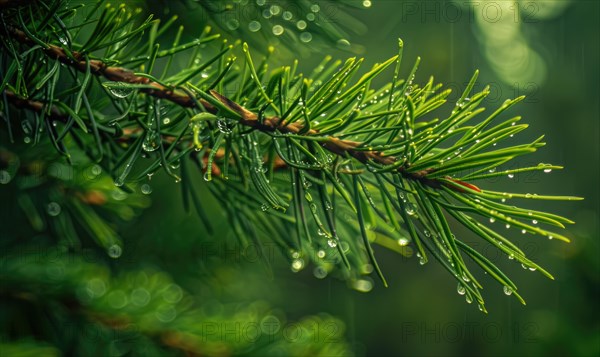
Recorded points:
552,57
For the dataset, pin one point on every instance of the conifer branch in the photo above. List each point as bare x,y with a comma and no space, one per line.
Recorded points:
343,148
338,138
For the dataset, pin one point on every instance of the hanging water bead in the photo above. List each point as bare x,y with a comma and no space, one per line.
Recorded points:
146,189
301,25
151,141
410,209
332,243
305,37
297,265
275,10
119,89
507,290
460,289
278,30
254,26
320,272
53,209
511,176
114,251
233,24
367,3
26,126
4,177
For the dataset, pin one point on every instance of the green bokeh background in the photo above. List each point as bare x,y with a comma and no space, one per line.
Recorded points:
421,313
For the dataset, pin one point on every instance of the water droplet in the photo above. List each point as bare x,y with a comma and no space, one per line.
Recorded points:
332,243
264,207
532,268
492,219
422,261
403,242
507,226
26,126
468,299
114,251
523,231
507,290
550,237
233,24
492,170
121,92
287,15
305,37
166,121
275,10
206,177
151,141
297,265
53,209
465,278
321,254
367,3
146,189
140,297
480,307
301,25
534,221
4,177
511,257
310,17
511,175
278,30
410,209
547,170
254,26
460,289
320,272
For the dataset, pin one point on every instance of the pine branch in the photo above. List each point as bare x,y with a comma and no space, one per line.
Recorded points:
339,139
343,148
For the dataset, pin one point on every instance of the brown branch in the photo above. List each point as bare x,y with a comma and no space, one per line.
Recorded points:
250,119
